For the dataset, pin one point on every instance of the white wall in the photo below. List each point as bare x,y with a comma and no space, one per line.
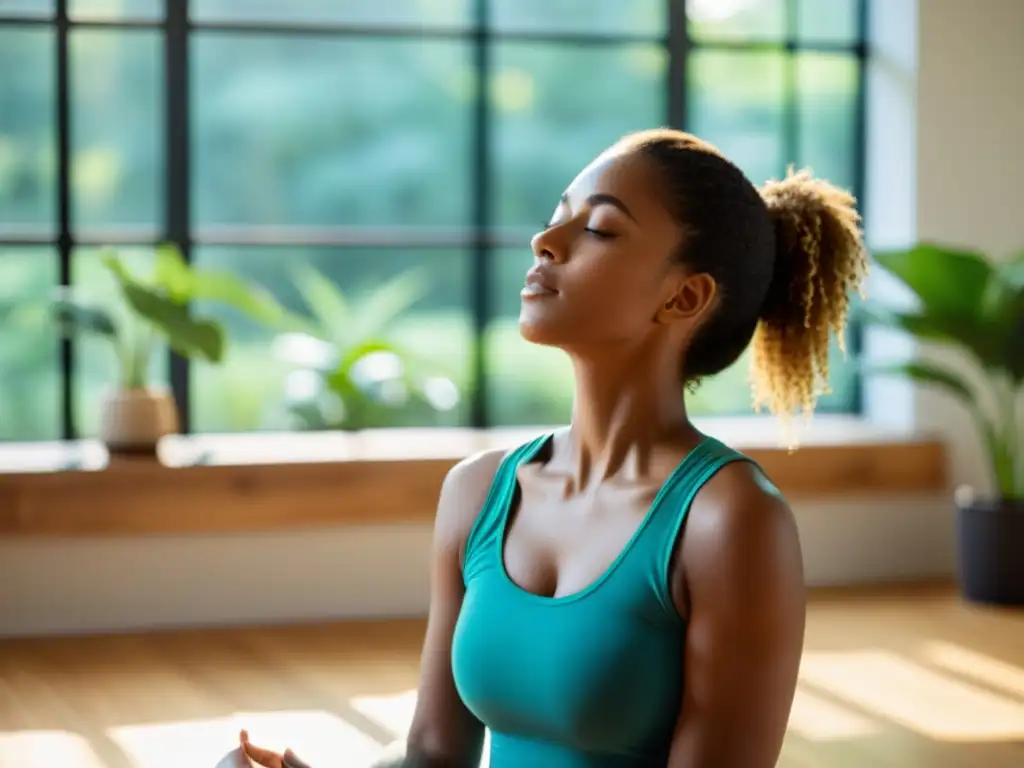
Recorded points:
970,157
104,584
929,183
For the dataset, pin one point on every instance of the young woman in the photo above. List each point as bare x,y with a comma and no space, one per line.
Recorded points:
627,592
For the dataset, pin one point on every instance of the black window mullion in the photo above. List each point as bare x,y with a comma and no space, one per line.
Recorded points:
64,241
678,52
480,281
791,88
855,342
177,169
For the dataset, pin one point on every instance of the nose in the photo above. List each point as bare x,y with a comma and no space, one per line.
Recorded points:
547,244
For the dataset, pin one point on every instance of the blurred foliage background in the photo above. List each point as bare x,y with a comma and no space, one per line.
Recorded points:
291,131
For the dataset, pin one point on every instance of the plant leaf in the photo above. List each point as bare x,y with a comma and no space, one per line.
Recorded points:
948,282
927,373
311,416
188,336
325,301
173,275
116,267
251,300
354,354
74,316
384,304
921,325
1004,312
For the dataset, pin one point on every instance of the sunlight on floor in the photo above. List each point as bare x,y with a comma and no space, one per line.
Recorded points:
47,749
817,719
930,703
393,712
976,666
944,692
318,737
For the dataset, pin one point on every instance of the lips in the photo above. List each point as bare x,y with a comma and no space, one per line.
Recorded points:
537,285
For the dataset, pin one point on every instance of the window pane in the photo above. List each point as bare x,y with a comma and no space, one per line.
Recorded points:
117,171
827,103
29,346
580,16
116,9
527,384
33,8
737,19
286,133
828,21
550,121
269,380
736,102
729,394
97,367
426,12
27,156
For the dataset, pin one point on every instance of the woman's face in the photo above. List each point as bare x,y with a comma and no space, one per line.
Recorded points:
603,272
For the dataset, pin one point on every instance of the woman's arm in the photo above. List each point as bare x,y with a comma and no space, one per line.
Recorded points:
444,734
740,579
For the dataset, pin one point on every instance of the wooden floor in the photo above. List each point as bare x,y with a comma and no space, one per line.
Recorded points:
896,679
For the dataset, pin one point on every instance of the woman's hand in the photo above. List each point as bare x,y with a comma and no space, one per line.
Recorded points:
266,757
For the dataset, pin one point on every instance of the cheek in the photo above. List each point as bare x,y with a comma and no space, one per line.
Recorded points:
598,302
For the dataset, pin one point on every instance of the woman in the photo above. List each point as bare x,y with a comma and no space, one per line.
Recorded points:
570,615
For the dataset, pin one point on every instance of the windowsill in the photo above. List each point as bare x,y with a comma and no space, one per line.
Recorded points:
263,482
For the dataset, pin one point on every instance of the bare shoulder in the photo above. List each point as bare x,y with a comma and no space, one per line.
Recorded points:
740,500
463,494
741,532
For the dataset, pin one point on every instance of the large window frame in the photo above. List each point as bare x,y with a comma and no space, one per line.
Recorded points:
482,237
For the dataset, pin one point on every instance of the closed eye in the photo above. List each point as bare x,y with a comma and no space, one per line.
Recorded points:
599,233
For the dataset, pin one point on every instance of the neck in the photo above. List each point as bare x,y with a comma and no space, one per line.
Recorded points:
624,405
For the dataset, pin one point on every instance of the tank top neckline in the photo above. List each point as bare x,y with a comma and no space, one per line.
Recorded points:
504,503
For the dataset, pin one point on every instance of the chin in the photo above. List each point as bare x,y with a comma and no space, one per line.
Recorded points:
538,330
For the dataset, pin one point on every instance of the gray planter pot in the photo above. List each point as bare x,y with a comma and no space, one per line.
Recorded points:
990,550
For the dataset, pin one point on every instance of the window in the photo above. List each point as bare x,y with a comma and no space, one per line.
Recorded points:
379,167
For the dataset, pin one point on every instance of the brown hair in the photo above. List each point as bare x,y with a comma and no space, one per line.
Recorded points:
784,259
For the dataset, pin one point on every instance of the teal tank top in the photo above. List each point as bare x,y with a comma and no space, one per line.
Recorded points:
588,680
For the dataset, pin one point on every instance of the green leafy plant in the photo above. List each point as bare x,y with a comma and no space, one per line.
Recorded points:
158,306
364,377
977,307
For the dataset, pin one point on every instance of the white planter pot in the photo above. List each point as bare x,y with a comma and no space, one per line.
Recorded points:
133,421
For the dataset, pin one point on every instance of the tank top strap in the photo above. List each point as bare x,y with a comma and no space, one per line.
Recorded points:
490,520
672,507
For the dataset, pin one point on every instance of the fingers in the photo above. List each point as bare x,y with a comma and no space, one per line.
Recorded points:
265,757
291,761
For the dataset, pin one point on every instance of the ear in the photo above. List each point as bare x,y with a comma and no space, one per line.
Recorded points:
689,299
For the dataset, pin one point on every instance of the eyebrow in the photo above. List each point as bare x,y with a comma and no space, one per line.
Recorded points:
600,198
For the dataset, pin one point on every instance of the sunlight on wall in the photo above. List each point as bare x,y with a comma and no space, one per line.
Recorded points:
925,701
47,749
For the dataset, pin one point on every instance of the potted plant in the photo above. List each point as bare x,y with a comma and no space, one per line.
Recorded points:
977,306
349,373
136,414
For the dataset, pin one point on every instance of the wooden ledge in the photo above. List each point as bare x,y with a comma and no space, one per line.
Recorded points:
276,482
